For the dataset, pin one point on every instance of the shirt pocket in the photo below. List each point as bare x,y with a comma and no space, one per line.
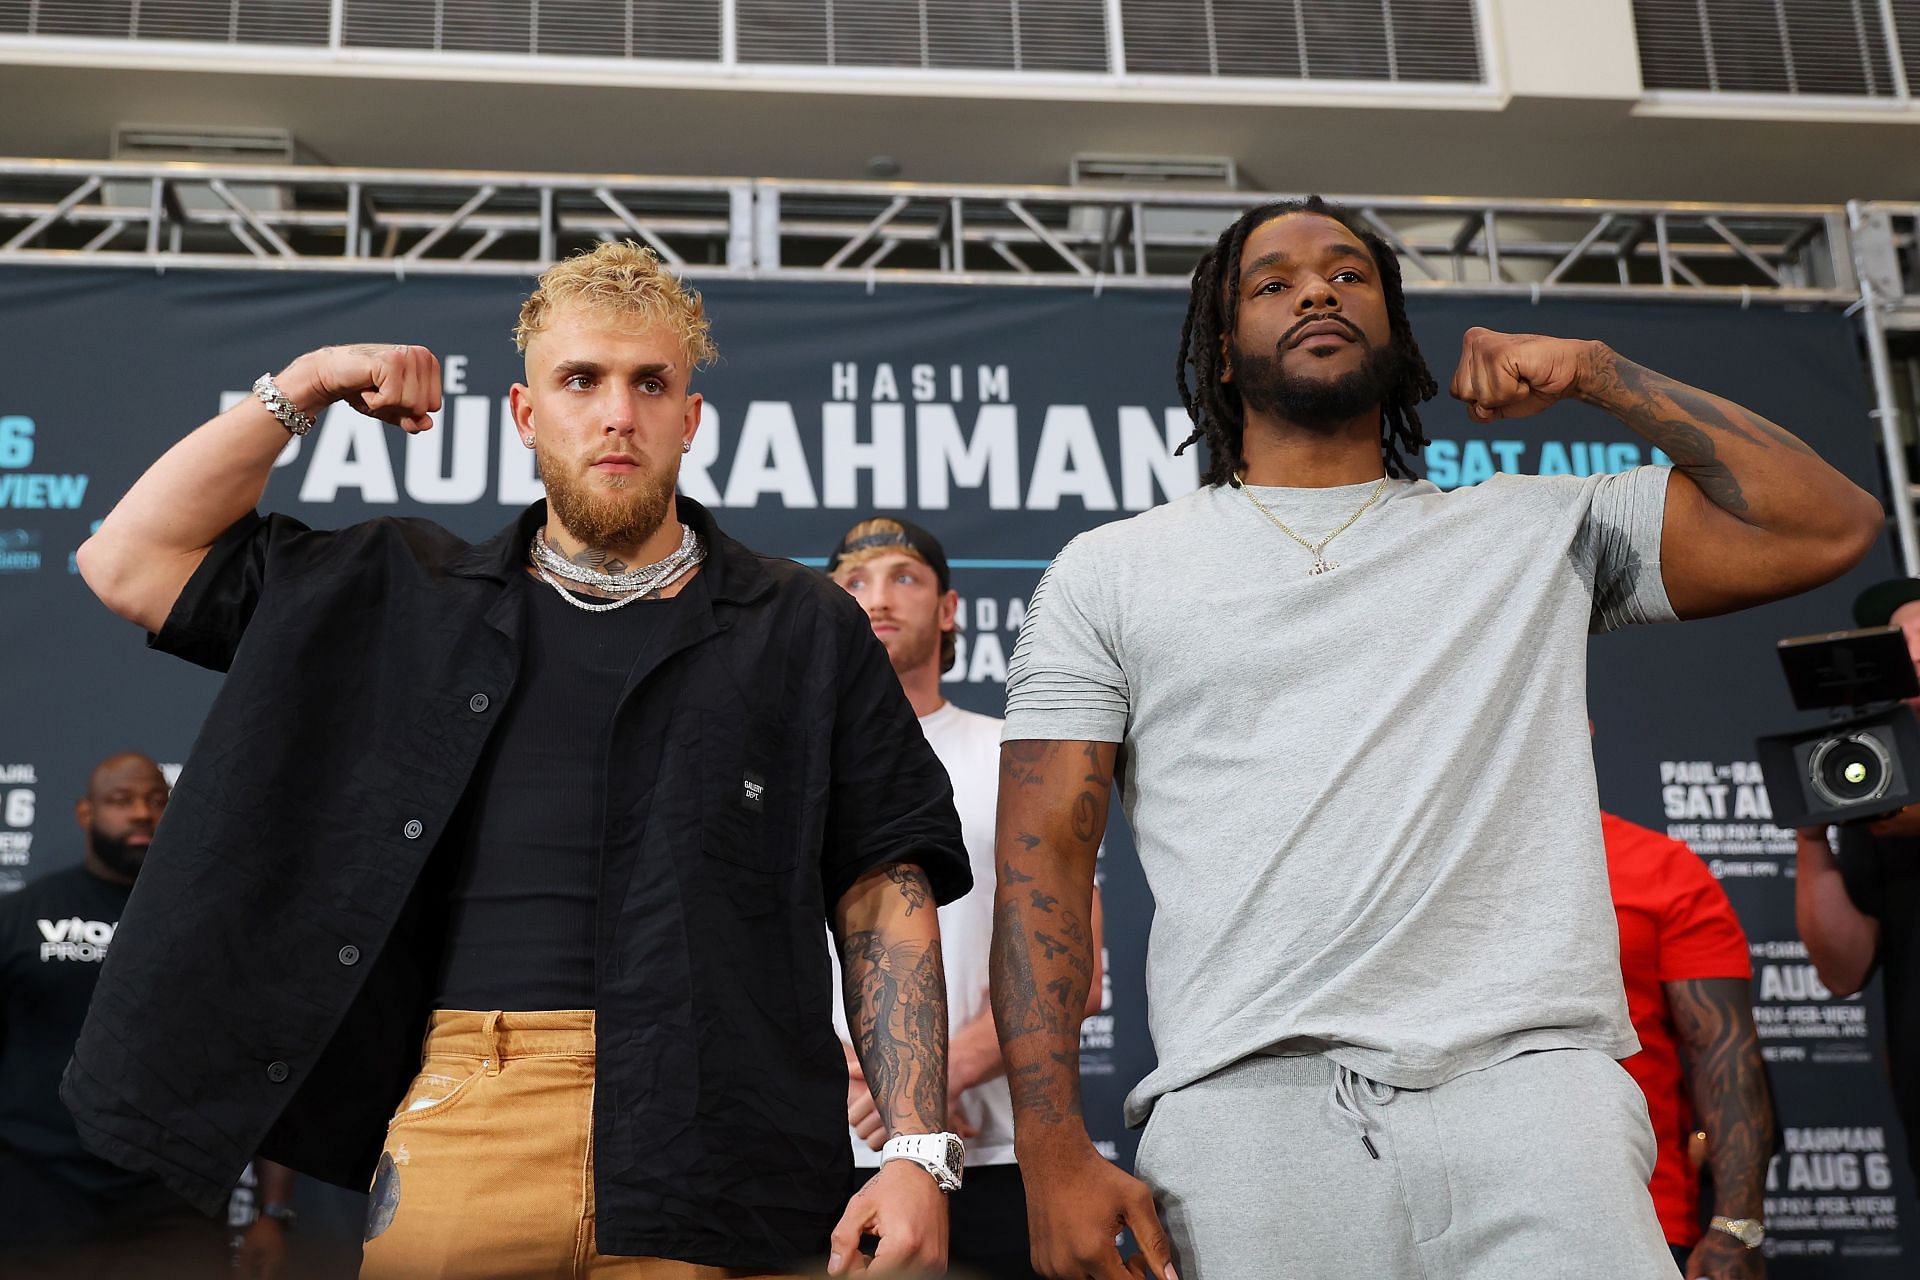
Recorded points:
749,795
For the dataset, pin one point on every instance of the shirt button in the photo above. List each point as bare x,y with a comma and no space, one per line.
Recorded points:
349,955
479,702
413,829
278,1072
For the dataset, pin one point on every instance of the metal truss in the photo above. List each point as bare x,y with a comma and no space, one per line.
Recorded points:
184,215
1865,256
1886,238
401,222
1886,248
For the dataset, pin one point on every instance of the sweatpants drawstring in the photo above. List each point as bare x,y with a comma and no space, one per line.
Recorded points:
1350,1089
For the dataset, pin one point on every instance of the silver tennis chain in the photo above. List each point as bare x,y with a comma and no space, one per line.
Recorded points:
628,586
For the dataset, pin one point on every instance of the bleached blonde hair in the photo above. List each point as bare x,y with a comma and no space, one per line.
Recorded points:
626,281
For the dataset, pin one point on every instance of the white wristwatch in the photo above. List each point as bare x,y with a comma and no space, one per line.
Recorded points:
941,1154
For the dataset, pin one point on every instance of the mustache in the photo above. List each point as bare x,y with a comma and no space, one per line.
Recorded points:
1352,330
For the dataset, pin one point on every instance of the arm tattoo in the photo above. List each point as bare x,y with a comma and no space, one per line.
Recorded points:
1088,815
896,996
1714,1017
1019,763
1042,957
913,885
1037,1085
1017,1008
1685,422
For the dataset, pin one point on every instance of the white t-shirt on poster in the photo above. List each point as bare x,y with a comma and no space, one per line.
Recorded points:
968,744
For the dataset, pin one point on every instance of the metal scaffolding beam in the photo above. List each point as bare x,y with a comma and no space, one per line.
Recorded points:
1885,239
172,216
64,212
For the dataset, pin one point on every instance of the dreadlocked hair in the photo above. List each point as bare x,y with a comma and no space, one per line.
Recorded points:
1219,417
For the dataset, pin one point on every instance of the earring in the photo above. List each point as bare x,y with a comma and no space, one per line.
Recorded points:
528,442
686,446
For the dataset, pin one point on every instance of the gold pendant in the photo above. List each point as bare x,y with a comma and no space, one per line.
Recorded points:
1321,566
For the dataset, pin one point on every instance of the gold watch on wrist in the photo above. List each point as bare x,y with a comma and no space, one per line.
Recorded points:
1748,1231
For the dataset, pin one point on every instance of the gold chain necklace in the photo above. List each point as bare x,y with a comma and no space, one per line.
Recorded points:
1320,563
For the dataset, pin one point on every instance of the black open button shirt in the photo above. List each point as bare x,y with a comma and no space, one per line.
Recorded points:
270,979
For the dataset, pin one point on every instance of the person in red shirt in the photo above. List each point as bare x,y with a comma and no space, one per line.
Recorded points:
1689,991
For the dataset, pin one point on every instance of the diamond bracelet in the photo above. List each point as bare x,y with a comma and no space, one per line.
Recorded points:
296,422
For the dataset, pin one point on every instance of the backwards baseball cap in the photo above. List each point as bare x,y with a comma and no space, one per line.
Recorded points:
890,533
1874,607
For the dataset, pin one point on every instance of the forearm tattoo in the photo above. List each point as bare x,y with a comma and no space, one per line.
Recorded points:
1042,958
1688,424
1728,1084
896,993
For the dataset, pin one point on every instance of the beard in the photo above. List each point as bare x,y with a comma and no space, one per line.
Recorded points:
117,853
609,511
1317,404
911,650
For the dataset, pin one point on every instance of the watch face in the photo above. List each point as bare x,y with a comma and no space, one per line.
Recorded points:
1751,1234
953,1155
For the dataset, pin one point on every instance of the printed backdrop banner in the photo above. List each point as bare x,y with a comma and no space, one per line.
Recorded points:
1007,420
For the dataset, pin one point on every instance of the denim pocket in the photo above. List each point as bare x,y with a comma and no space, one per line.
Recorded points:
441,1083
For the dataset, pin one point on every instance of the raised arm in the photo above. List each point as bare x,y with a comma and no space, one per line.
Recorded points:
1728,1084
1052,814
1753,514
888,932
155,537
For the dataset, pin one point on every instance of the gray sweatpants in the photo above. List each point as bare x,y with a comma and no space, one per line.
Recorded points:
1533,1169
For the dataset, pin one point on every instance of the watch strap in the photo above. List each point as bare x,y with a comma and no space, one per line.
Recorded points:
1748,1231
942,1155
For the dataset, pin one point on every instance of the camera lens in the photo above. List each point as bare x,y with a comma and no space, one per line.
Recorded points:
1850,769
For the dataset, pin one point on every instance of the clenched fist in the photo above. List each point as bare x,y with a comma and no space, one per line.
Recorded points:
395,384
1514,375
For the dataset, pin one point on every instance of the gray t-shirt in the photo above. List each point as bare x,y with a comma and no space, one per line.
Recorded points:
1364,800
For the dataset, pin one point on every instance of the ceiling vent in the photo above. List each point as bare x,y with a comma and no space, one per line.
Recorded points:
221,146
1168,174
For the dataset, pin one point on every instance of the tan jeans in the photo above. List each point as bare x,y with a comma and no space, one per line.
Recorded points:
488,1167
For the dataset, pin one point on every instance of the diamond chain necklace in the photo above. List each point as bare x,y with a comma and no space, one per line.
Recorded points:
631,585
1320,563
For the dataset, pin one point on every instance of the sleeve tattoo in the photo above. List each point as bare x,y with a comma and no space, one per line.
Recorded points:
896,994
1728,1084
1042,956
1685,422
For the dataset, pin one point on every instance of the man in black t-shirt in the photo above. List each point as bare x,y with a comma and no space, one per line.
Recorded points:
1857,895
61,1207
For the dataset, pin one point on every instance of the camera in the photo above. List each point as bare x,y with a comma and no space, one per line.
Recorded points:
1865,761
